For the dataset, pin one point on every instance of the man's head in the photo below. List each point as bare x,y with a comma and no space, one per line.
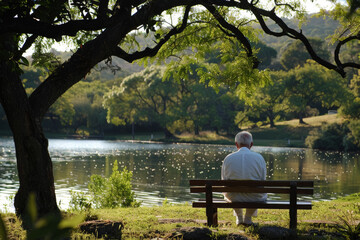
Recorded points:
243,139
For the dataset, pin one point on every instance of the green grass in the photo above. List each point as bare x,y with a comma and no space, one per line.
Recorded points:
160,221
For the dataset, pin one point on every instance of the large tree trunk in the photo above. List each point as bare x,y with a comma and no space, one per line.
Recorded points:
25,114
33,161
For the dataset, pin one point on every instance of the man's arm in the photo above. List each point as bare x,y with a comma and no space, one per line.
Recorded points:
263,170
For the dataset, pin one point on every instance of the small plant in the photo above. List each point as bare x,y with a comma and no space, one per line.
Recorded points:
79,202
9,203
166,202
112,192
347,227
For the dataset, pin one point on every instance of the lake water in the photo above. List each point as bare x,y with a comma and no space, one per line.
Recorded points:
163,170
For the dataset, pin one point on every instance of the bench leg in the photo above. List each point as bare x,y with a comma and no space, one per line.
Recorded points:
293,207
212,217
293,218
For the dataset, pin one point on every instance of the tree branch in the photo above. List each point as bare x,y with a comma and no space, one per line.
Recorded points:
31,26
29,41
259,13
103,9
237,33
150,52
337,52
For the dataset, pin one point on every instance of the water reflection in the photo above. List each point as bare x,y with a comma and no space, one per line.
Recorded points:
163,170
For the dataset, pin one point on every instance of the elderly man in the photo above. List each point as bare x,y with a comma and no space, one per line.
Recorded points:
244,165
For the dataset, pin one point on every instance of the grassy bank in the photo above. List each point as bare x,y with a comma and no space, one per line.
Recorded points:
161,221
284,134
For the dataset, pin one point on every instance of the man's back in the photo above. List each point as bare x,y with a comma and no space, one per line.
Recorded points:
244,165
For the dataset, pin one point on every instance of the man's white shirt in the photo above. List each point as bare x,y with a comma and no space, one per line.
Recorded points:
244,165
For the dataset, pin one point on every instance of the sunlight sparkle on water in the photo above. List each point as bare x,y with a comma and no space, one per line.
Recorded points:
163,170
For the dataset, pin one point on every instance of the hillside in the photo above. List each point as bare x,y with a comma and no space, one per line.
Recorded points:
314,27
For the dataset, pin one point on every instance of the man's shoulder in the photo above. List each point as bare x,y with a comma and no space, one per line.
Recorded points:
257,154
231,155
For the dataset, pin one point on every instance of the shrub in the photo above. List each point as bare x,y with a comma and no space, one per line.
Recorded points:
329,137
345,137
111,192
79,202
114,191
354,127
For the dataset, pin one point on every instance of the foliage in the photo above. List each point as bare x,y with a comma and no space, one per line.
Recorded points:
81,109
354,127
347,226
266,54
295,53
201,106
348,231
351,108
9,202
143,96
330,137
112,192
334,137
79,202
266,103
64,110
313,86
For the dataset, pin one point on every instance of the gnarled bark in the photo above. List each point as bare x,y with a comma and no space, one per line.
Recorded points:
33,161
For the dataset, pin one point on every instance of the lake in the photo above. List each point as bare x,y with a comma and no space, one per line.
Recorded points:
162,171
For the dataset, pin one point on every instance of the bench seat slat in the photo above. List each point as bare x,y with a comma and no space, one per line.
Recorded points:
263,205
221,189
202,182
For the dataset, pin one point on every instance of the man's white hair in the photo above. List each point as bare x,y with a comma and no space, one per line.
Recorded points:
244,138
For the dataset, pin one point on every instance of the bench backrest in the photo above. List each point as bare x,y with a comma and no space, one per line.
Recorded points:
252,186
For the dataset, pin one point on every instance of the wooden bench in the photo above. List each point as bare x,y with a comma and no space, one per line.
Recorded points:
292,188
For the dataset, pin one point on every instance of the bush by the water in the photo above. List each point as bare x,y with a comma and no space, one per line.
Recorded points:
112,192
340,137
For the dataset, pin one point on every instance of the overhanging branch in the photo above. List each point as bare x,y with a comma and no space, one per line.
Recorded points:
150,52
286,30
237,33
29,41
